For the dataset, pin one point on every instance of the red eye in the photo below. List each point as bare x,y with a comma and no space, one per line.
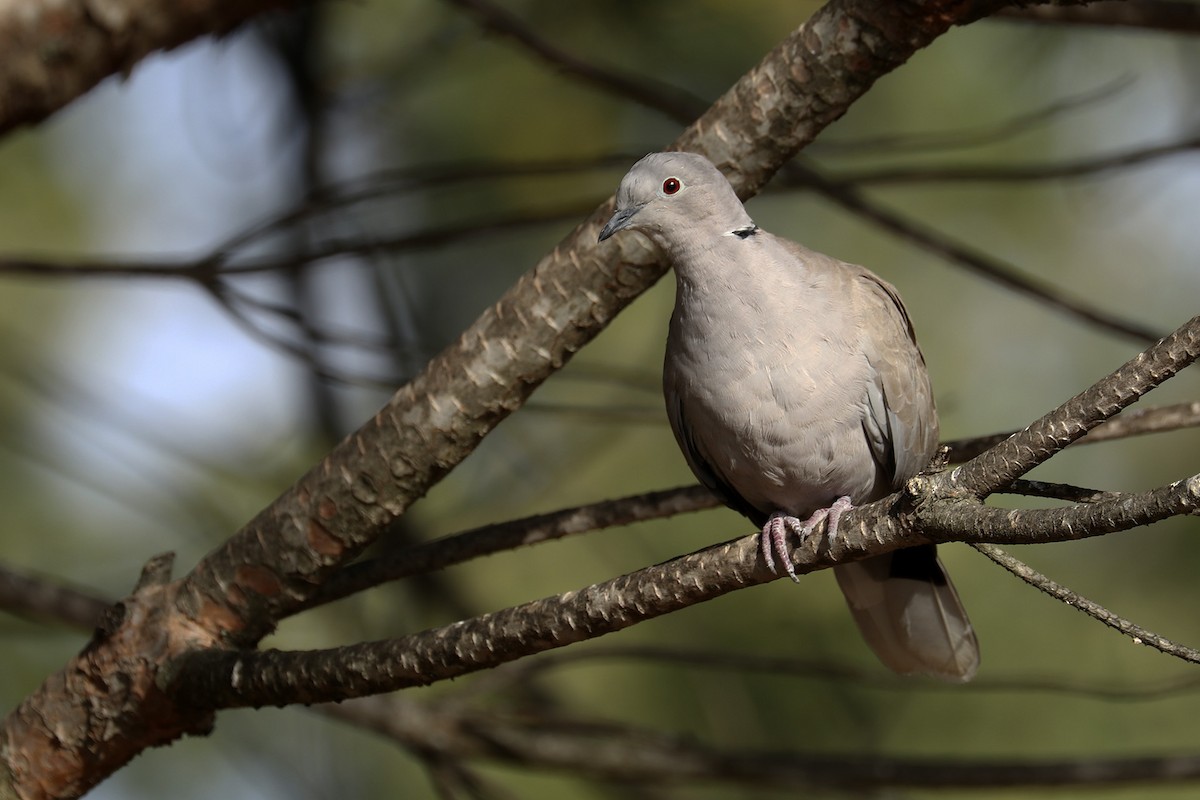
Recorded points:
671,186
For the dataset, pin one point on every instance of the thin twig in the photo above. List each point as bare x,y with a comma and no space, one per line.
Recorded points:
500,537
1058,491
941,141
36,596
848,197
1015,173
629,753
1133,422
1170,16
502,679
1094,610
675,102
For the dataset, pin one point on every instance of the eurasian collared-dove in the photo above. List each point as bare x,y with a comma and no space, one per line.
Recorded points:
795,388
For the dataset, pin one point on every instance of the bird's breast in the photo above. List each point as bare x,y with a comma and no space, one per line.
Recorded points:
773,405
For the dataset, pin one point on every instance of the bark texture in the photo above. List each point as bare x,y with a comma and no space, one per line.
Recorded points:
56,50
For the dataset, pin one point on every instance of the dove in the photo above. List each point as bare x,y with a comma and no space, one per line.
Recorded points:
795,389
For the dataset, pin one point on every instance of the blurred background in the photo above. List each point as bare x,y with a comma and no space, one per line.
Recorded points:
378,173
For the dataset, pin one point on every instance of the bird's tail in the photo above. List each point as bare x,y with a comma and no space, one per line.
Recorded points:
910,615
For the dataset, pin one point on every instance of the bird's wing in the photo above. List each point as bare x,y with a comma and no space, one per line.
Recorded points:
901,421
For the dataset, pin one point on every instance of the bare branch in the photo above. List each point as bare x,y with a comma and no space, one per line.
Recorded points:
520,672
500,537
1018,173
1134,422
399,181
208,269
671,100
935,242
1170,16
37,596
55,51
1040,582
1058,491
227,679
629,754
1025,450
940,141
1139,421
510,535
970,521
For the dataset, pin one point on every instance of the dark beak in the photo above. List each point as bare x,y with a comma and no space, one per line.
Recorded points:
619,220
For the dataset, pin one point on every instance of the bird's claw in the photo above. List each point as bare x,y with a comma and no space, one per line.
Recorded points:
773,539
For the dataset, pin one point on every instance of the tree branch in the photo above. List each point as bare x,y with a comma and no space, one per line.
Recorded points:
673,101
1094,610
36,596
510,535
56,50
971,521
849,198
523,672
1170,16
1134,422
1023,451
937,507
228,679
630,754
1017,173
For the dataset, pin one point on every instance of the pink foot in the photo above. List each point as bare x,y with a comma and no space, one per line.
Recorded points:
773,539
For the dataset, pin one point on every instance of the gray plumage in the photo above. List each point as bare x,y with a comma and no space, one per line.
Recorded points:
795,387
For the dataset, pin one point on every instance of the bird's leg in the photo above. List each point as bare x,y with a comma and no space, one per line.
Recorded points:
773,539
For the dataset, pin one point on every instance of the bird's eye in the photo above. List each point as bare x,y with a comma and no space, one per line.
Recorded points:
671,186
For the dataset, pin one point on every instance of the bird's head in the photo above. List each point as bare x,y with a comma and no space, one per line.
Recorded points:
670,195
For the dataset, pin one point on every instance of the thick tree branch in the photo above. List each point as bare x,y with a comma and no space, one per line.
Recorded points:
56,50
